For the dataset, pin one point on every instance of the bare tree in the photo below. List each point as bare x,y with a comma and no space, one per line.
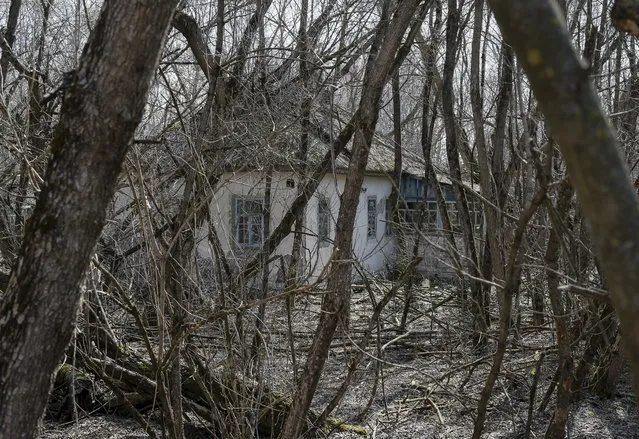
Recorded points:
104,102
537,32
383,59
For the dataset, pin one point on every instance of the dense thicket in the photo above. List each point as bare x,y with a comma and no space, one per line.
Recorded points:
296,89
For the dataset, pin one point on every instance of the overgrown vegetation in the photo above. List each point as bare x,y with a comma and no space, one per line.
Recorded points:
205,304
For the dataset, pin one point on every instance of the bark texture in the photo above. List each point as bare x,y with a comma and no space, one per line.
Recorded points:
560,81
557,427
625,16
103,104
335,303
9,36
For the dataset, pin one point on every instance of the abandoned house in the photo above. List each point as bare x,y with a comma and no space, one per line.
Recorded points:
241,213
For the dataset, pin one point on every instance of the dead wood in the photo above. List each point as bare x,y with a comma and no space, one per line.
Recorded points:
212,393
74,394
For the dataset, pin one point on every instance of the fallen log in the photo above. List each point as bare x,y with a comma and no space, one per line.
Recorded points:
74,394
214,394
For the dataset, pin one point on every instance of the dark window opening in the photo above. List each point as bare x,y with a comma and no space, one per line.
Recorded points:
372,217
323,220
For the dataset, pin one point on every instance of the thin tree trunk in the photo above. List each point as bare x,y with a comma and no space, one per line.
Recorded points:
258,340
429,116
513,279
10,37
335,302
295,270
492,227
396,201
557,427
452,152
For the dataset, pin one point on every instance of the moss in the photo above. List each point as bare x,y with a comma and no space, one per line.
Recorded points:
534,57
66,373
601,133
338,424
65,369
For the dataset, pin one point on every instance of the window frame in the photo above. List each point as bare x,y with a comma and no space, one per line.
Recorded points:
410,211
453,216
324,216
250,223
431,212
388,217
371,217
475,211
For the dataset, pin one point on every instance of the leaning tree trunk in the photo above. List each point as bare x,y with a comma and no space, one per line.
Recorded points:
103,105
513,280
537,32
492,264
335,303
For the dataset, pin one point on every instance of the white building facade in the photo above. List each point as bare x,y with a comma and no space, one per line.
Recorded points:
239,207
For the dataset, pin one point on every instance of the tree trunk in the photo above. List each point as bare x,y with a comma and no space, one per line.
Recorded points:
335,303
103,105
452,152
492,257
9,36
513,278
557,427
625,16
537,32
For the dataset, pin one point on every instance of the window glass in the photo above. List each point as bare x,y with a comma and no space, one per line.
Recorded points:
453,215
416,213
372,217
249,221
323,220
431,215
388,217
476,214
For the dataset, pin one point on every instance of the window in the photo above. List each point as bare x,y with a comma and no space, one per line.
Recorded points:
409,214
475,212
430,215
416,213
323,220
372,217
388,217
453,215
249,221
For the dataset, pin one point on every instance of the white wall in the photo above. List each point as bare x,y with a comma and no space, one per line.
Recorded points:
373,254
246,185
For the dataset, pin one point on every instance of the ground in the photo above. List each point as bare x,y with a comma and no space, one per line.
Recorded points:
424,383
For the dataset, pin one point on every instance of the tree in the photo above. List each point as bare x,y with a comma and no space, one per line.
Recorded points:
182,317
383,59
625,16
559,79
103,104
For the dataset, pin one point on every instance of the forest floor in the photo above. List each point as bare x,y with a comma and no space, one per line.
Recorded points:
424,383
